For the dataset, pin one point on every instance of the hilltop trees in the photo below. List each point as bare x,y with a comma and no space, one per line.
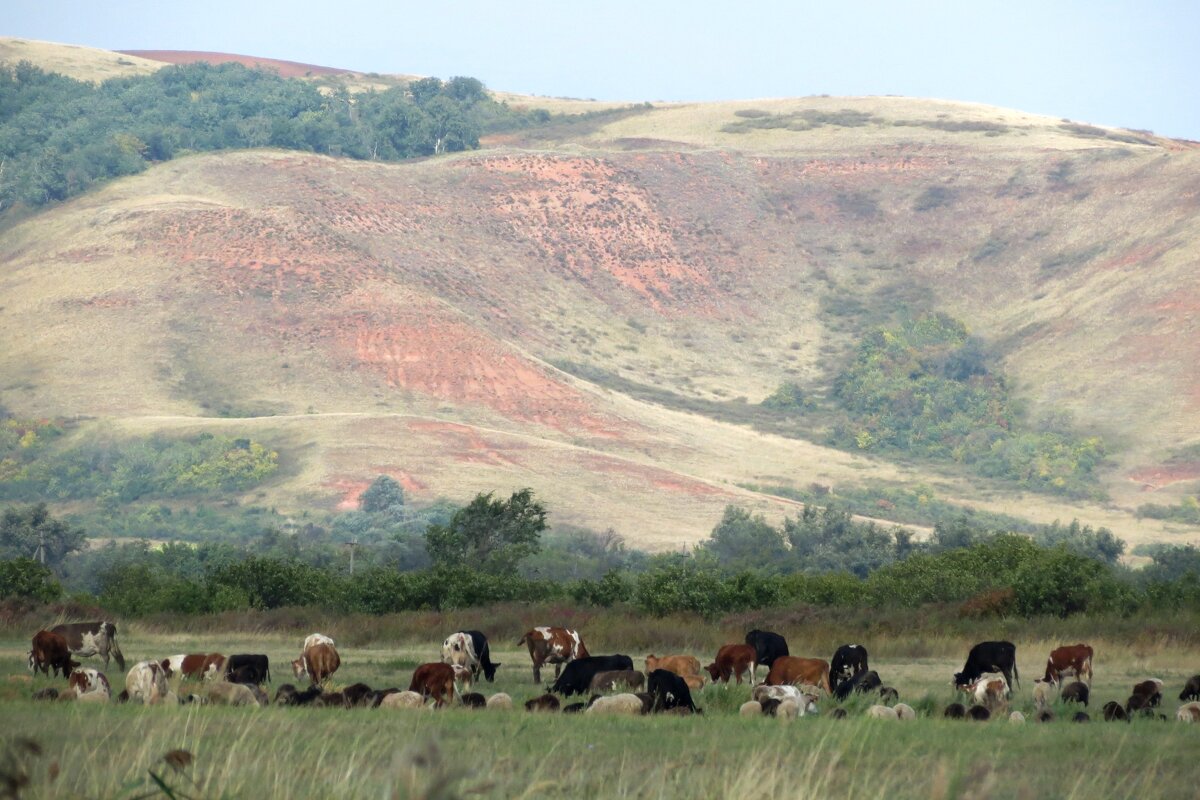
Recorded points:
489,535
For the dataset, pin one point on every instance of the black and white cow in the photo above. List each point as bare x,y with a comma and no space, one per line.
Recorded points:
848,661
92,639
669,691
470,649
990,657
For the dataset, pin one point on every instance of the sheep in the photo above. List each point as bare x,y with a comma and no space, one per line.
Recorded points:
624,704
1076,692
979,713
1043,694
1016,718
750,708
904,711
788,710
223,693
882,712
955,711
500,701
1188,712
403,700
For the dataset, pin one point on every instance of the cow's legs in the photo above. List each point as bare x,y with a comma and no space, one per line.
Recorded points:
537,671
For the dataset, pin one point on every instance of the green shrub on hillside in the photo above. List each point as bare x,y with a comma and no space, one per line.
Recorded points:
28,579
1187,511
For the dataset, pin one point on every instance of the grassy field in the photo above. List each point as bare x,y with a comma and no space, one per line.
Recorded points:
111,751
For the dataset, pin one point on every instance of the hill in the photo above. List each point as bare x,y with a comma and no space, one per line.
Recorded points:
592,308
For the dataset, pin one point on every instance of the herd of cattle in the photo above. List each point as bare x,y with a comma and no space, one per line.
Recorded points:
792,686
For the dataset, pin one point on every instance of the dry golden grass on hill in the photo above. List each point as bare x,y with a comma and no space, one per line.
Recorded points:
407,318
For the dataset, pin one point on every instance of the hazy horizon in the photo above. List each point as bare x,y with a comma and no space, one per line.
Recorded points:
1116,63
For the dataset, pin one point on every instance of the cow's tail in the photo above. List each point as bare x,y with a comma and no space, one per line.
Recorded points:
114,647
1017,675
523,638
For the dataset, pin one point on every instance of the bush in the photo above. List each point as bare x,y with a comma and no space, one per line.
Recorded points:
1061,583
26,578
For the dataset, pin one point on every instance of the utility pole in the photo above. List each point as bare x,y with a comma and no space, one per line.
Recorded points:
40,555
352,545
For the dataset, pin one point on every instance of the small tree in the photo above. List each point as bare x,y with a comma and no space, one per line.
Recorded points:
489,535
382,495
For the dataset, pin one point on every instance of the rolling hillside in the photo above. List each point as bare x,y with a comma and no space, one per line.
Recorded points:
589,309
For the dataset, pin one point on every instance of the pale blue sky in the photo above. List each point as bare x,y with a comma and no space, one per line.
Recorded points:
1131,64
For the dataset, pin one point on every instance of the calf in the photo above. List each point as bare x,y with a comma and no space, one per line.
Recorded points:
317,663
434,680
247,668
87,681
577,676
682,666
610,681
669,691
793,670
990,657
49,652
1069,660
735,660
147,682
989,691
767,646
195,666
92,639
848,660
555,646
863,682
1191,689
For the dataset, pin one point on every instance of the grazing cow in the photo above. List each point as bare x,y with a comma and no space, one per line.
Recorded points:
682,666
955,711
403,700
147,682
1043,693
1188,712
867,681
87,682
1191,689
314,639
317,663
990,657
434,680
248,668
767,646
92,639
848,660
1113,712
979,713
1073,659
196,666
610,681
546,702
1076,692
1150,690
669,692
882,712
555,646
50,651
1016,718
989,691
577,676
629,705
735,660
793,669
500,701
470,649
473,700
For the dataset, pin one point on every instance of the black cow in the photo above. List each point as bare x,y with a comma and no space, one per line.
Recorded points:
1191,689
867,681
577,676
848,660
990,657
767,646
480,643
248,669
669,691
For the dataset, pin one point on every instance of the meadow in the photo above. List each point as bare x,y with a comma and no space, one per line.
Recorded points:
118,751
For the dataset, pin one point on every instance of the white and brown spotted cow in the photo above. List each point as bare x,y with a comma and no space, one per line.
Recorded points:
92,639
555,646
195,666
147,682
87,682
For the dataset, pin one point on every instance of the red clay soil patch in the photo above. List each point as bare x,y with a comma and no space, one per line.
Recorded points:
466,444
589,220
1157,477
423,351
654,476
286,69
350,490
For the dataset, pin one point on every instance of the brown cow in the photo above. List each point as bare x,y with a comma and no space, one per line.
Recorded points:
317,663
555,646
683,666
195,666
1068,660
793,670
49,651
434,680
735,660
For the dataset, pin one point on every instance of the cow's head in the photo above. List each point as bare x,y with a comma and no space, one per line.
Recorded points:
489,671
713,671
